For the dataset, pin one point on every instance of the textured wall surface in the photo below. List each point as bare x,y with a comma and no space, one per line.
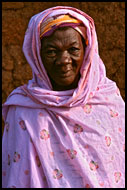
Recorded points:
109,20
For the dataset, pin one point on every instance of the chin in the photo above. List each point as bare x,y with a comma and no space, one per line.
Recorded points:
65,83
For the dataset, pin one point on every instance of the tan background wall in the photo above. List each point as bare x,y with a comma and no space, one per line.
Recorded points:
109,20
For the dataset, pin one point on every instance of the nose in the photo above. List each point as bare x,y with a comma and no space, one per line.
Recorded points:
64,58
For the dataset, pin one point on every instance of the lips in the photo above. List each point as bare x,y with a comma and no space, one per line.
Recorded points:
66,73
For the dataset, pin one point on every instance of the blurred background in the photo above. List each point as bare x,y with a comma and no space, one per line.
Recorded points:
109,18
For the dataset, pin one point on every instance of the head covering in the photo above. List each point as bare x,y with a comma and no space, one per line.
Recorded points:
72,138
52,23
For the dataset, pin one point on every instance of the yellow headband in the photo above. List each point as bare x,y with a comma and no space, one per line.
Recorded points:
49,23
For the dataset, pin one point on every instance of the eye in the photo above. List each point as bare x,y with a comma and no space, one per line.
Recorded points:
74,50
51,52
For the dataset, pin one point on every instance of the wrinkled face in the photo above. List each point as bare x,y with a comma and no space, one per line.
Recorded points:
62,55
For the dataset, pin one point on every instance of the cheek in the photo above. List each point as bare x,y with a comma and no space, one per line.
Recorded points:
48,64
46,61
78,63
79,59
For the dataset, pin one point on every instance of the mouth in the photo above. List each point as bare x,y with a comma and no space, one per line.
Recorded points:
64,74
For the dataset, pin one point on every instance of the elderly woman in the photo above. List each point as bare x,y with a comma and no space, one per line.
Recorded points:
65,128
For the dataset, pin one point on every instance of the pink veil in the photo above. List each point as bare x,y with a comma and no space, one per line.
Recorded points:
93,75
95,107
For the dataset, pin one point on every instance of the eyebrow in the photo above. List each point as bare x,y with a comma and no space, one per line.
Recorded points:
49,46
74,43
54,46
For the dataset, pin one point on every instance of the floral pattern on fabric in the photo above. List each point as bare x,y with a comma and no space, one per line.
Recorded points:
87,186
113,113
90,95
117,176
41,114
93,165
44,134
108,140
26,172
52,153
101,184
87,108
7,126
98,122
78,129
16,157
120,129
72,153
4,173
38,161
22,125
86,146
57,174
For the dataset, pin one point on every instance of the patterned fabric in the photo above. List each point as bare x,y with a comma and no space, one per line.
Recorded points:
52,23
60,139
49,23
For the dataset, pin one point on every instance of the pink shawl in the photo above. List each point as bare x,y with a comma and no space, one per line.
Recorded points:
60,139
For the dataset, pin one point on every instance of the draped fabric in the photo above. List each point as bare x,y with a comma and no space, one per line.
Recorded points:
59,139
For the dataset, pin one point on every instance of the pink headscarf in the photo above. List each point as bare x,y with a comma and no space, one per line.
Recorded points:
91,71
52,23
96,105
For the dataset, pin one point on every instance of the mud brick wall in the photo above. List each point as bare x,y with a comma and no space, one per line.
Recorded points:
109,20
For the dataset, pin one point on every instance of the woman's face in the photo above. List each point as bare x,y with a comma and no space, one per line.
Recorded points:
62,55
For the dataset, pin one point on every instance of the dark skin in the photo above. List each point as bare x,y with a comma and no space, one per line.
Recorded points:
62,55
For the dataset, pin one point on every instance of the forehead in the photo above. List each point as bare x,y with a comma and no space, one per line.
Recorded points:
63,36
